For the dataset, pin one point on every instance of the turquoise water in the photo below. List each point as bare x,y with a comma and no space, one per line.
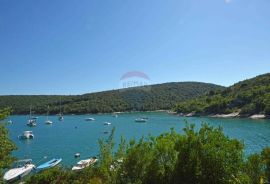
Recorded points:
62,139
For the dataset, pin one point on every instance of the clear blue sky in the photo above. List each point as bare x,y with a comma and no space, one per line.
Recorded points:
74,47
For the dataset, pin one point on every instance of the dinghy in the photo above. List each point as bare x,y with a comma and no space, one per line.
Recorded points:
52,163
140,120
106,123
84,164
89,119
24,167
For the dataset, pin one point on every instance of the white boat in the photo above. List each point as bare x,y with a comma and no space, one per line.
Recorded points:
84,164
89,119
61,116
48,122
140,120
107,123
10,122
24,167
26,135
115,115
31,121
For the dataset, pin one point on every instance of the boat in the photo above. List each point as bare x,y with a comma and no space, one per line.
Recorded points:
48,122
32,120
89,119
10,121
77,155
26,135
115,115
84,164
32,123
61,116
107,123
52,163
23,168
140,120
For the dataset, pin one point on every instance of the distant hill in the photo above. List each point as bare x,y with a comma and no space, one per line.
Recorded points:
153,97
247,97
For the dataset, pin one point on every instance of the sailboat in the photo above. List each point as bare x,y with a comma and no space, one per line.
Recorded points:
61,117
48,122
89,118
31,121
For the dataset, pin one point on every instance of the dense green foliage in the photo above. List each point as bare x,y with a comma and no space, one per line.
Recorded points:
247,97
154,97
196,157
6,146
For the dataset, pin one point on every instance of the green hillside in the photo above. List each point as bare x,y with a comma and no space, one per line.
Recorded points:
154,97
248,97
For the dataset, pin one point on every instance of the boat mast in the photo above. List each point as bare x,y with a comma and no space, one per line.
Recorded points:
47,113
30,113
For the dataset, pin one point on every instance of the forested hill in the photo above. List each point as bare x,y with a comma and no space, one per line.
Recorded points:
153,97
248,97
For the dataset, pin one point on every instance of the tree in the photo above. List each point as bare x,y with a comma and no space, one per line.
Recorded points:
7,146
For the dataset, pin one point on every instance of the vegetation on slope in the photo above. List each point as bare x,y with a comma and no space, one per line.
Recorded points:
6,146
155,97
247,97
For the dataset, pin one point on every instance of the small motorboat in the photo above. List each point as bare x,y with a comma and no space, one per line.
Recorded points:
61,118
10,122
89,119
48,122
52,163
77,155
84,164
24,167
107,123
140,120
26,135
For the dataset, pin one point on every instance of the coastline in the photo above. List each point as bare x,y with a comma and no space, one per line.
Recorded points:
231,115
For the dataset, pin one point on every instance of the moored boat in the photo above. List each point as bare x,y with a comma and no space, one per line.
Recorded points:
32,121
26,135
24,167
107,123
61,116
84,164
48,122
140,120
89,119
52,163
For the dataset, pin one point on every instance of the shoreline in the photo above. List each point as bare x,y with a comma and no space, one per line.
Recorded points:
231,115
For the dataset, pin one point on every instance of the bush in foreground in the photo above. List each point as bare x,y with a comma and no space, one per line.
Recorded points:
203,157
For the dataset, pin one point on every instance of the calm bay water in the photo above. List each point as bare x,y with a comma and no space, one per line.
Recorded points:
62,139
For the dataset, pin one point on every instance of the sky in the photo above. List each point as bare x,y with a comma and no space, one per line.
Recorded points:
82,46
